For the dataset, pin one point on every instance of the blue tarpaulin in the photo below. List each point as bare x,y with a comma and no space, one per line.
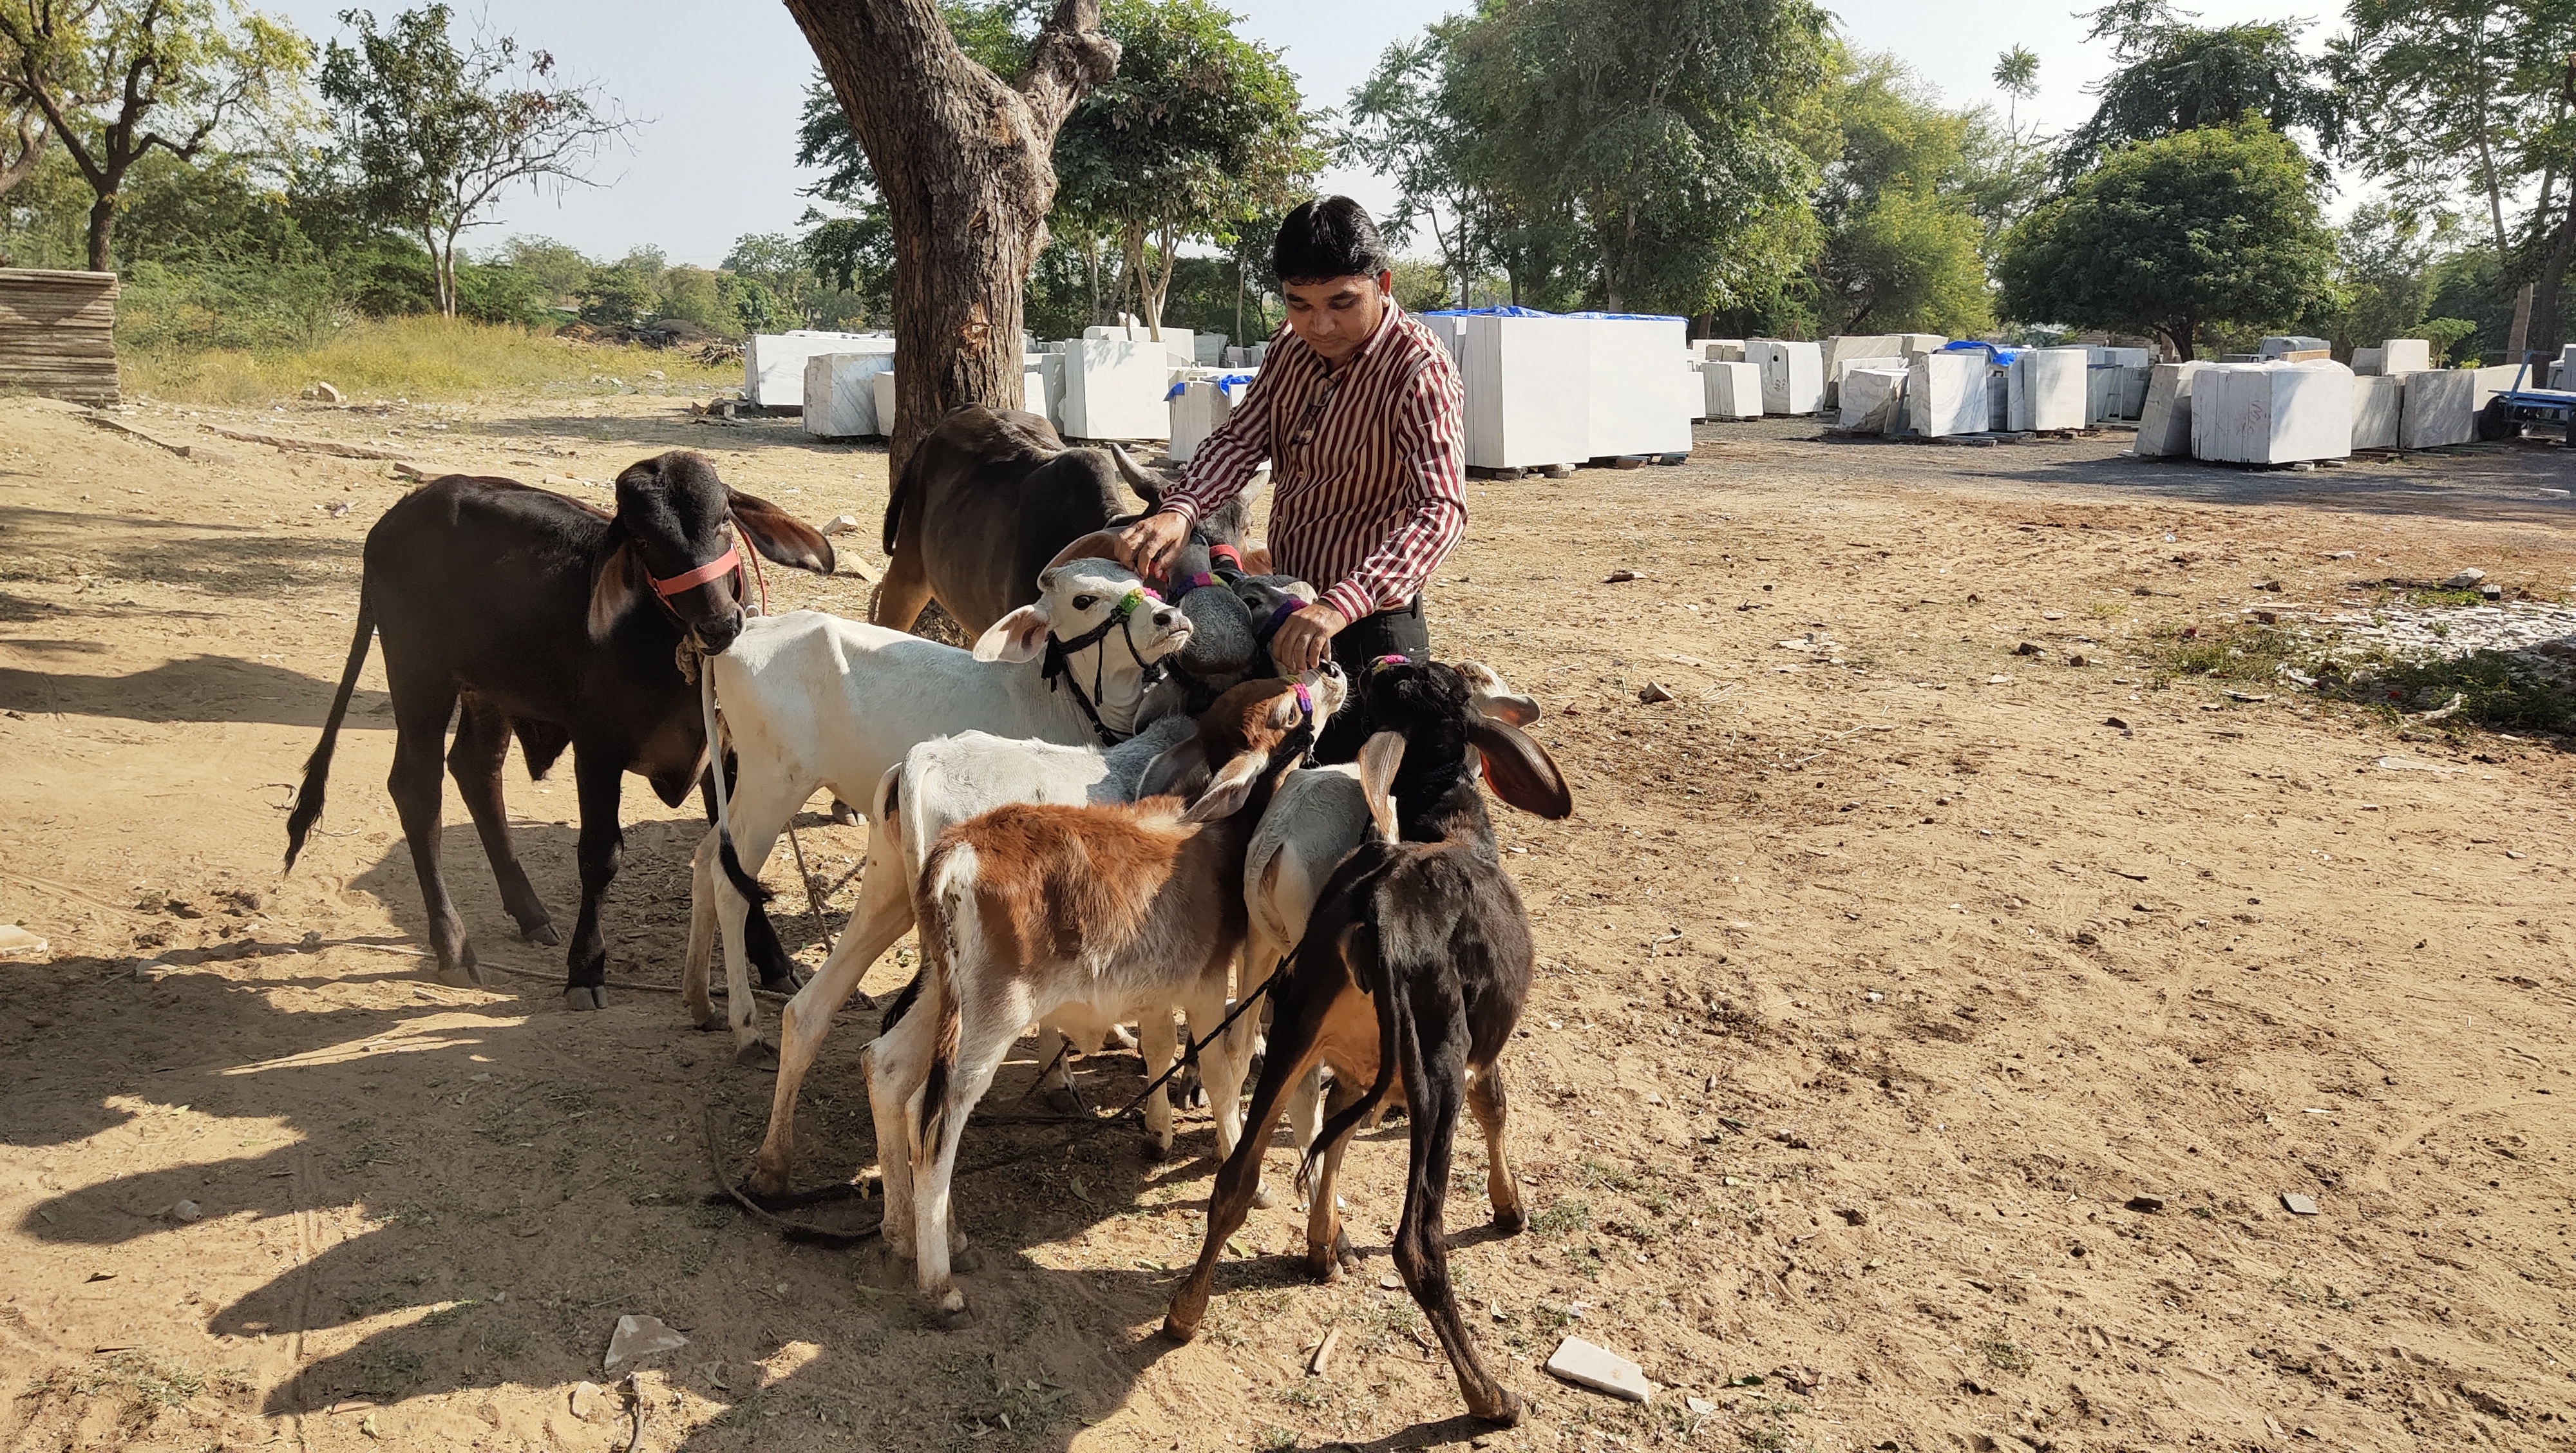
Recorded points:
1508,310
1226,381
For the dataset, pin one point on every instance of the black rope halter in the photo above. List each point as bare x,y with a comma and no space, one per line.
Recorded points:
1060,654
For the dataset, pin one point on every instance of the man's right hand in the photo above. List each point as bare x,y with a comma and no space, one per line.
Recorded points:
1149,546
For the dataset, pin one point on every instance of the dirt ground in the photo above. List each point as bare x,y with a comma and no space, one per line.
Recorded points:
1919,1059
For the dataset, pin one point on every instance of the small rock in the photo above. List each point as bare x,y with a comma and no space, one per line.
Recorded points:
842,525
337,509
589,1401
1390,1282
1699,1407
639,1337
2298,1205
2341,555
2113,721
323,393
2026,648
2247,696
18,943
655,373
2464,579
1586,1365
2146,1205
2491,592
2078,659
2273,586
186,1212
1618,577
1652,692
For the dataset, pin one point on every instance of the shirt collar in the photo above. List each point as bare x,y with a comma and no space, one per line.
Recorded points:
1386,324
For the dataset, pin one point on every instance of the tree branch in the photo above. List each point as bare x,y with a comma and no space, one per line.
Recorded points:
1070,57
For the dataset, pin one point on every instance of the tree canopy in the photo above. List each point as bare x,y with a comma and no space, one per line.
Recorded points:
2175,77
2211,227
1902,242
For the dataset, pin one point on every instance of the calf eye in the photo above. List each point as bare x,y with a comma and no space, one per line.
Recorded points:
1085,602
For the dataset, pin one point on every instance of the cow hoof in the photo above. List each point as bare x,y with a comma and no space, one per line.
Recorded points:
1507,1410
787,983
846,815
1178,1330
1158,1148
1263,1198
966,1260
1510,1220
1327,1270
1060,1099
541,932
759,1054
586,996
952,1314
711,1021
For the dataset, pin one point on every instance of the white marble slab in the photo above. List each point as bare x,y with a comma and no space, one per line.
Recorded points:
2376,406
1114,387
2440,407
1872,399
1722,350
1945,394
2164,422
840,396
1529,402
1198,411
2405,355
773,364
2280,343
1636,404
2048,388
1910,344
1732,389
1793,374
1179,343
881,389
2272,413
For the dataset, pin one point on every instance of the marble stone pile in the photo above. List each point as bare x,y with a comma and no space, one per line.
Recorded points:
1732,389
1793,374
1114,386
1873,400
2439,406
1528,404
2164,421
1946,394
2272,413
773,364
1639,397
839,394
2047,388
2378,401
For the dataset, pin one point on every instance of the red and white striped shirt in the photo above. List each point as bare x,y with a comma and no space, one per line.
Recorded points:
1368,463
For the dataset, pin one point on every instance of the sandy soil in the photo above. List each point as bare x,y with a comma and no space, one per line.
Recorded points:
1918,1061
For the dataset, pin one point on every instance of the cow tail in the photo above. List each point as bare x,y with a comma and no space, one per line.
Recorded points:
317,768
1363,950
938,931
894,503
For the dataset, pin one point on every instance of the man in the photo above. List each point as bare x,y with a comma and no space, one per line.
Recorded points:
1361,415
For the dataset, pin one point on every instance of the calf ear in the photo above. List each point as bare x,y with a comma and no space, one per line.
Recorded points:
612,583
1019,636
1098,545
1256,561
1180,769
1380,755
1520,770
1229,789
779,535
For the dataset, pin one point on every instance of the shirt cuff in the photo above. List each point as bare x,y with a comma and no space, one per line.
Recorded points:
1182,505
1352,599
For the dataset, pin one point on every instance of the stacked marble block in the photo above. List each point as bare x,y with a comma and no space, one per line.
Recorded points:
2272,413
2048,388
2164,420
773,364
1872,399
1844,352
1113,386
2397,355
1199,407
1792,373
1947,393
1519,373
839,394
1731,389
2438,407
2116,385
1641,397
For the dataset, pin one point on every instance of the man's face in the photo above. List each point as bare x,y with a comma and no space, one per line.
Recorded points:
1337,315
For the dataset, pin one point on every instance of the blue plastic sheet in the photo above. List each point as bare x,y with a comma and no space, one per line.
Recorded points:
1226,381
1508,310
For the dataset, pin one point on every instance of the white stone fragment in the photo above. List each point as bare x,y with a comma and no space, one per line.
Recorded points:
1793,374
2439,408
1587,1365
2272,413
639,1337
840,394
881,388
2405,355
2377,401
1733,389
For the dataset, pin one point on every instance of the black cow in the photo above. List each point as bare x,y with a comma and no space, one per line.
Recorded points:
521,606
987,500
1412,974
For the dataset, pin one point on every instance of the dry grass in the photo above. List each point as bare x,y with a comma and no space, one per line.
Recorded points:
415,358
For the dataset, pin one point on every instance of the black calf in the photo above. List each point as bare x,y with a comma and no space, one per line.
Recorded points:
1413,972
515,611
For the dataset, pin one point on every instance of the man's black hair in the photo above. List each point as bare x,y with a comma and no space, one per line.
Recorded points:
1328,238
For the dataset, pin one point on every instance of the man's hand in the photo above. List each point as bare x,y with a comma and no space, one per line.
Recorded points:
1306,638
1149,545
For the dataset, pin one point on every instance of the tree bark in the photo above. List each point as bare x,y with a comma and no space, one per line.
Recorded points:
964,162
102,233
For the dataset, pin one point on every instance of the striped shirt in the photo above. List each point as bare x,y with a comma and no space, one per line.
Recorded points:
1368,463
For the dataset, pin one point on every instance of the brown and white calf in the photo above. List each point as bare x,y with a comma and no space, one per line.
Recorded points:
1411,977
1030,910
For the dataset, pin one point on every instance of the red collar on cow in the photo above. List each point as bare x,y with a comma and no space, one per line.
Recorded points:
1227,555
729,561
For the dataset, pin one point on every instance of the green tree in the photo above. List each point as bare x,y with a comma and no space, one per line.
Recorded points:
1644,143
2474,101
2386,272
1401,127
2216,227
436,134
117,80
2016,74
1199,130
558,268
1901,237
2175,76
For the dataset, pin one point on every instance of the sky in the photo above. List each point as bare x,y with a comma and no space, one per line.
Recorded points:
719,93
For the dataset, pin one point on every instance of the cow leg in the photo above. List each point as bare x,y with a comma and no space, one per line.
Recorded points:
1329,1252
893,1065
1155,1041
905,590
884,912
986,1030
421,709
760,809
600,773
1295,1039
474,759
1421,1242
1502,1183
695,1001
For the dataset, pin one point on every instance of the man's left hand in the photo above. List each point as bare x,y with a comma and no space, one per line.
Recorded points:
1306,638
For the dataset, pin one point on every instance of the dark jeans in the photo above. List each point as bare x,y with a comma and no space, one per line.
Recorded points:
1404,632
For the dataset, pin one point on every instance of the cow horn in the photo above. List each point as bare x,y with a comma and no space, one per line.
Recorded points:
1147,487
1099,544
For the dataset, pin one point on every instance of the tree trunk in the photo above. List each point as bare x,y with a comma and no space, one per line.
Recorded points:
2549,284
102,232
963,161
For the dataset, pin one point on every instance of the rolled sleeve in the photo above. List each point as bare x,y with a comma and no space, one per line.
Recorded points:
1227,459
